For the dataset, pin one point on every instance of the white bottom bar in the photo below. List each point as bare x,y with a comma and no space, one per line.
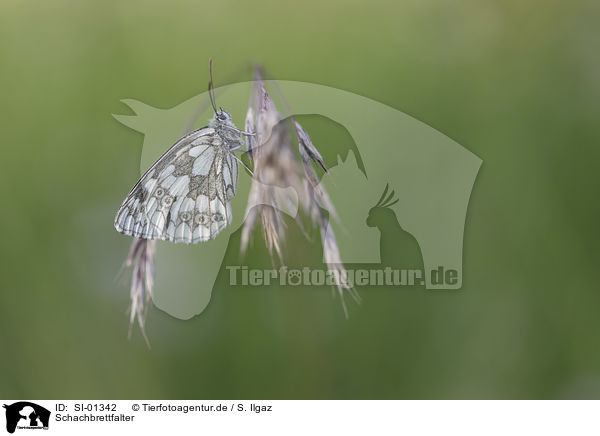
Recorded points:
310,417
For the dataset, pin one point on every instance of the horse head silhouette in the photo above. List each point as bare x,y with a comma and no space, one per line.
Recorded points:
432,174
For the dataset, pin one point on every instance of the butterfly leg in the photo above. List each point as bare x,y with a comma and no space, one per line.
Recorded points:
238,130
243,164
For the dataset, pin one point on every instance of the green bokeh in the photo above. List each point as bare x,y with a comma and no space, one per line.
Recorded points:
516,82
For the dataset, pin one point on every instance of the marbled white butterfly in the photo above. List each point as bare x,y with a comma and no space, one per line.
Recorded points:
185,195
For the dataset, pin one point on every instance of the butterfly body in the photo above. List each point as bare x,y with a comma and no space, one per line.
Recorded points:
185,195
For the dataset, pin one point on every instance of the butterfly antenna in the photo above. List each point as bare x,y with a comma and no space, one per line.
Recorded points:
202,106
211,87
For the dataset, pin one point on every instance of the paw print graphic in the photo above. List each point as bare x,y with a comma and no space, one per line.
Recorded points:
294,277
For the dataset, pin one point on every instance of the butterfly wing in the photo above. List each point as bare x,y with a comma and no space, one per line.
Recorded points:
185,195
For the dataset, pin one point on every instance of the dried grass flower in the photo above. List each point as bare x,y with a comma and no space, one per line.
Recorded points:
276,164
141,258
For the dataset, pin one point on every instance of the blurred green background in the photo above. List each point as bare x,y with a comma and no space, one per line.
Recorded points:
516,82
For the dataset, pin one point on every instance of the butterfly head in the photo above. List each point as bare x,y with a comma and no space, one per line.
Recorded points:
223,124
221,117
